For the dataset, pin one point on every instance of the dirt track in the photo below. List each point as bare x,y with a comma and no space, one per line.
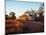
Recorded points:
34,26
28,26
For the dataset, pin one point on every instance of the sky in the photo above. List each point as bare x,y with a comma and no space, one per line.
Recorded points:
20,7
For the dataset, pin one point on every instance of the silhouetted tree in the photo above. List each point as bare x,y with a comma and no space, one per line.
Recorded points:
12,14
41,9
6,16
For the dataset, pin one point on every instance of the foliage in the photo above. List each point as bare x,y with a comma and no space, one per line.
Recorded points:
12,14
41,9
6,16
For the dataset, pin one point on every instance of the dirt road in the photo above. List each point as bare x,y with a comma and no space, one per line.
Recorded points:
34,26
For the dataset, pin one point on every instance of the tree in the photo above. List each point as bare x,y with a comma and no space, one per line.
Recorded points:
12,14
33,12
6,16
41,9
24,17
26,13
